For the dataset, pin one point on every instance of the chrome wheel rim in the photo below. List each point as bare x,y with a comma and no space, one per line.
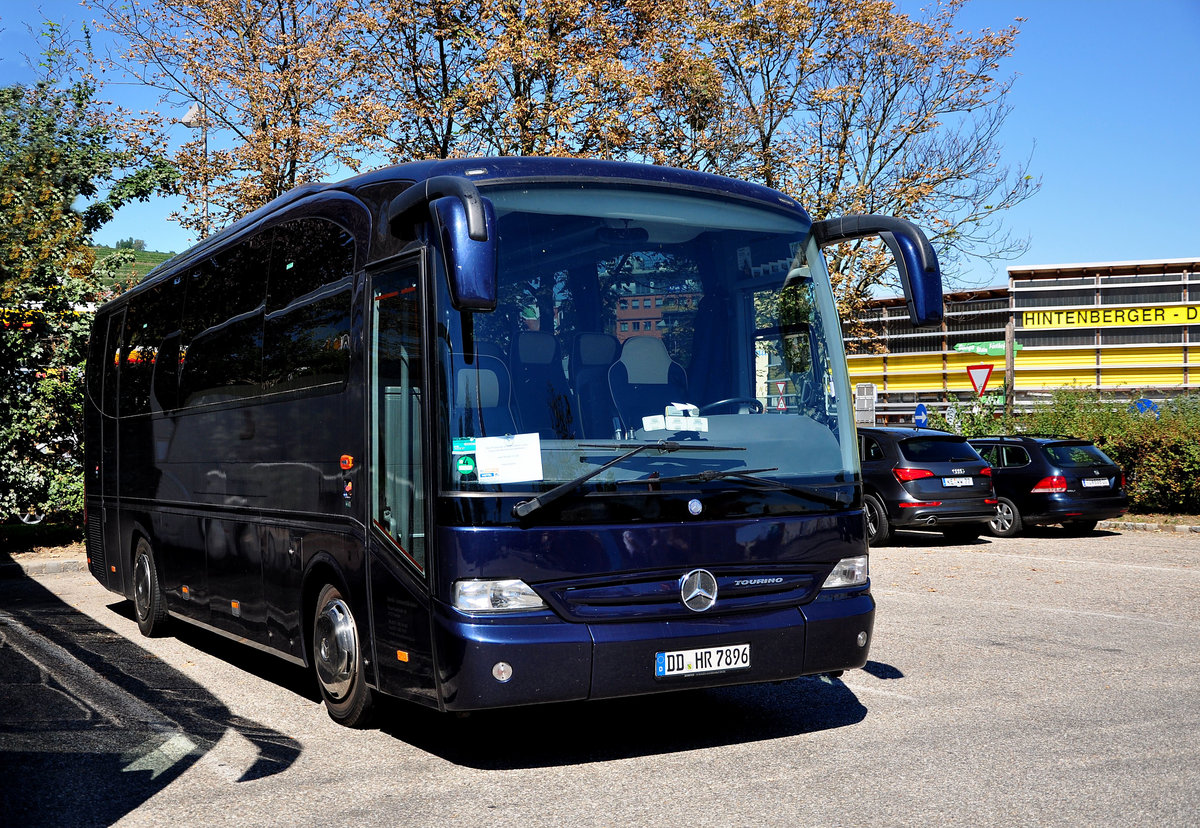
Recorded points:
1003,520
141,586
336,648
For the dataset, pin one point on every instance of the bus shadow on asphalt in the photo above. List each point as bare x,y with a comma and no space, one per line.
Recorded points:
94,724
291,677
601,731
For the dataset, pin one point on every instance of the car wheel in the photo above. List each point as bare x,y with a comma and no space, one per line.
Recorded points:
879,530
337,657
149,602
1007,521
1080,527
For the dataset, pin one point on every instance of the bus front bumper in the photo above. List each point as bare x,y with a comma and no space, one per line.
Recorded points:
536,658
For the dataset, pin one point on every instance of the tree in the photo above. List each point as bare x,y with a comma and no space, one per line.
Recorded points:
272,79
57,146
449,78
851,106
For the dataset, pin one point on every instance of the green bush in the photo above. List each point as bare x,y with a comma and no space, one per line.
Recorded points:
1160,456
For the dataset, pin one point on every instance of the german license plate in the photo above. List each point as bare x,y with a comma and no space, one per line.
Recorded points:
1095,482
952,482
702,660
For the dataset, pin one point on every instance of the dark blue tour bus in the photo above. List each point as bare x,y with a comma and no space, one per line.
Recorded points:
493,432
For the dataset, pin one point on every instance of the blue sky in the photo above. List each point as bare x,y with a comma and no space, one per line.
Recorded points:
1107,100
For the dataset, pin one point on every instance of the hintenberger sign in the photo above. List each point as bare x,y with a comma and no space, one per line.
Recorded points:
1112,317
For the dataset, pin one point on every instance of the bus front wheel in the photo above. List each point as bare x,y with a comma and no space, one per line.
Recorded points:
148,600
337,657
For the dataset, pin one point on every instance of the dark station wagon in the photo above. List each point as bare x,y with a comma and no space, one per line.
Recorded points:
1046,479
922,478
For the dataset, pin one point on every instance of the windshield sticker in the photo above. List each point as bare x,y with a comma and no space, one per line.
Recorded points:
463,445
678,417
465,465
515,458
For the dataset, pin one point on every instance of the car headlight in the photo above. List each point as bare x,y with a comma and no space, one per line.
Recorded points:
495,596
848,572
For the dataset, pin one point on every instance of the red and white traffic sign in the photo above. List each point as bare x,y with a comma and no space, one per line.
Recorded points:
979,374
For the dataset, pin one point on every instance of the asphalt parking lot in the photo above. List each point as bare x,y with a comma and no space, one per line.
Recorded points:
1035,680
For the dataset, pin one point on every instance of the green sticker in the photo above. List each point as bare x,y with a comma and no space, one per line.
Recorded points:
466,465
463,445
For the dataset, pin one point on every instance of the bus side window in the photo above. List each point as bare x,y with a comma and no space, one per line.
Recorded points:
397,383
221,343
306,335
111,359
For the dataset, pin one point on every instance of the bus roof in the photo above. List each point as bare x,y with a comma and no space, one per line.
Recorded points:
483,171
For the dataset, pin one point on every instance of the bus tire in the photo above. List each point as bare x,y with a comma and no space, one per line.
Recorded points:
337,659
149,602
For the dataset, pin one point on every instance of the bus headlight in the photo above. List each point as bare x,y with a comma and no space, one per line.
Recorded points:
848,572
495,596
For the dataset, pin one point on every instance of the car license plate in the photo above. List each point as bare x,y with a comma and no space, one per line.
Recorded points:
952,482
1095,482
702,660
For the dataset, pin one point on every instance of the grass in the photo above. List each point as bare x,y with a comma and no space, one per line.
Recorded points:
143,262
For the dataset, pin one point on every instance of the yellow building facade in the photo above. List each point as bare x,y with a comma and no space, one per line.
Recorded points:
1120,328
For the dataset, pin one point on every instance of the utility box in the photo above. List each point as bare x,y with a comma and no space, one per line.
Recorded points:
864,403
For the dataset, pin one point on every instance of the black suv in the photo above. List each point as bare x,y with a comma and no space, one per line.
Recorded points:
1044,479
922,478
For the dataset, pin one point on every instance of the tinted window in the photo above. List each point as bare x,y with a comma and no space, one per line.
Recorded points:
937,450
1076,455
111,361
871,449
151,321
988,453
221,348
1015,456
307,328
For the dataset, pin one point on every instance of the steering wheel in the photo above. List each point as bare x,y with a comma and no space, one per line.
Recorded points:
756,406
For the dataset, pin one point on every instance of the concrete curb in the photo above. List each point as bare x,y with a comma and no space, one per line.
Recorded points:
30,565
1132,526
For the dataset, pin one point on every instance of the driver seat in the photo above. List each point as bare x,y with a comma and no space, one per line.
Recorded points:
645,380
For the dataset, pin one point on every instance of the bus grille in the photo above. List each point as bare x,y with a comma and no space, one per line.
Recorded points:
657,595
95,549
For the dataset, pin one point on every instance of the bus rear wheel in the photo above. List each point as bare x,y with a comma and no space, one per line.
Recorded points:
149,603
337,658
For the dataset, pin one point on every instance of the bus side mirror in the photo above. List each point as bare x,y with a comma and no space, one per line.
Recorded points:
470,262
915,258
465,223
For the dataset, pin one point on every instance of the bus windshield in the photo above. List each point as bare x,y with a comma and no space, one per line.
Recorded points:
703,329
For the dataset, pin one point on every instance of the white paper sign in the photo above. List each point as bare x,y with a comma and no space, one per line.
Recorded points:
678,417
513,459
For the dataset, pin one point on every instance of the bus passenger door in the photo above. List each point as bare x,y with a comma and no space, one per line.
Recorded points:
399,568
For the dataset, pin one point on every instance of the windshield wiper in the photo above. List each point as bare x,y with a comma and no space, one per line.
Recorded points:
527,507
708,475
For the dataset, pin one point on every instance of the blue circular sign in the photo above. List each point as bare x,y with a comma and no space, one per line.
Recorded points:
921,417
1144,406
